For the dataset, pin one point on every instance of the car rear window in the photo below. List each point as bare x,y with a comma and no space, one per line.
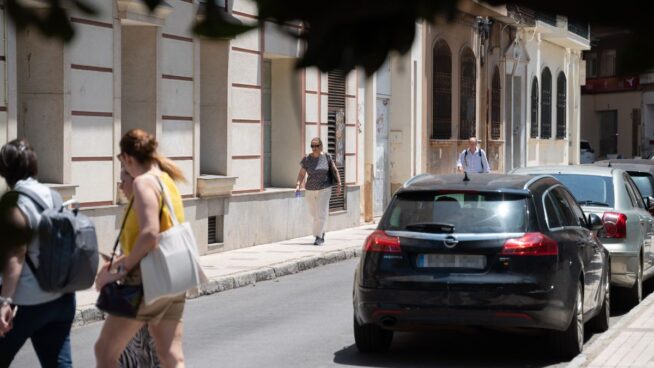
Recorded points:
644,182
460,212
589,190
585,145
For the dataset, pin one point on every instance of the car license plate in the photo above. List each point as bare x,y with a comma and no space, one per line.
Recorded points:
451,261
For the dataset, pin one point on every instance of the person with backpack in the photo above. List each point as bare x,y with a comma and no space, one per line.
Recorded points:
473,159
146,217
321,175
26,310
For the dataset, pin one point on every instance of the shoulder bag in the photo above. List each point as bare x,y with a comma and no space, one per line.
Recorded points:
172,267
118,298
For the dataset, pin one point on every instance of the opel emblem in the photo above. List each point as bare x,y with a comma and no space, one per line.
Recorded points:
450,241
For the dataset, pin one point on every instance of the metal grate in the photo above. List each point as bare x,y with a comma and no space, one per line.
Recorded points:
534,108
442,89
336,132
546,105
212,230
495,105
560,106
468,101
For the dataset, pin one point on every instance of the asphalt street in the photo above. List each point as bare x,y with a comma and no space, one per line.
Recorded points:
305,320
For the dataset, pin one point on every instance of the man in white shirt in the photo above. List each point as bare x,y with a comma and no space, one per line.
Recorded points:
473,159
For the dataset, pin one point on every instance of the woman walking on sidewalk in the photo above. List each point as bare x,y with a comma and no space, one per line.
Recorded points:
317,166
26,311
146,218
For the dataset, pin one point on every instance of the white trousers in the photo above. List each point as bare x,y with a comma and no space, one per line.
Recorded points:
318,201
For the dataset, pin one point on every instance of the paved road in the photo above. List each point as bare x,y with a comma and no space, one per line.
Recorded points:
304,320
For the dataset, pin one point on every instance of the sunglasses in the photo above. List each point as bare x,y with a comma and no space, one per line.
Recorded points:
315,146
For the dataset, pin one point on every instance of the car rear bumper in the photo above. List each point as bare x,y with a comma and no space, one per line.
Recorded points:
420,310
624,267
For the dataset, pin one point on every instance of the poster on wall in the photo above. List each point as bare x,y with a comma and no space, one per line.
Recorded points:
340,138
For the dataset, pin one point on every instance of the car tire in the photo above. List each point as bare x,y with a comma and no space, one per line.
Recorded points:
370,338
634,295
570,343
600,323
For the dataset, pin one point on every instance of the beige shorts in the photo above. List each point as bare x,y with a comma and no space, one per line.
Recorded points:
170,309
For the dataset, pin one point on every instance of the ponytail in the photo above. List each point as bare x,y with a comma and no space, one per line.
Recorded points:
169,167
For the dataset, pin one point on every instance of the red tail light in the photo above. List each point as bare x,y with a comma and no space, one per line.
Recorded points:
615,225
531,244
379,241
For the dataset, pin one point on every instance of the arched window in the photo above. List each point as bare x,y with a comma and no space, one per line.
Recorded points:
468,101
561,93
496,98
546,105
442,93
534,108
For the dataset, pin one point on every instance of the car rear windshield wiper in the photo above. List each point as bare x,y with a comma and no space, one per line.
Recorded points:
593,203
431,227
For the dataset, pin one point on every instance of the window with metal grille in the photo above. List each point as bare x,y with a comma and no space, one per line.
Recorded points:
561,86
215,230
546,105
468,89
442,90
336,133
534,108
496,97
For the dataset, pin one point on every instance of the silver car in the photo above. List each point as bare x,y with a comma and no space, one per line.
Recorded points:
628,231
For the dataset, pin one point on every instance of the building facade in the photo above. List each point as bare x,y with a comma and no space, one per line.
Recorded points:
234,114
618,103
511,78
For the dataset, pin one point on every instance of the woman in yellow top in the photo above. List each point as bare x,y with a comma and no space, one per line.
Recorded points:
145,220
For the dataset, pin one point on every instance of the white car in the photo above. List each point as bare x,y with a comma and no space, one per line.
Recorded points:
587,153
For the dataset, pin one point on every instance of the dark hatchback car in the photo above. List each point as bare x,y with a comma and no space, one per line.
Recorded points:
496,250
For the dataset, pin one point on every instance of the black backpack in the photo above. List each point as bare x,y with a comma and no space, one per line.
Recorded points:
68,246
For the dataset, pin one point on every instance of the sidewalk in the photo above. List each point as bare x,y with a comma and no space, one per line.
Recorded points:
247,266
630,343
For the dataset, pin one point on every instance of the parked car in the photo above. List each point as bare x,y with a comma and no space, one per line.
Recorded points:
497,250
610,193
641,172
587,153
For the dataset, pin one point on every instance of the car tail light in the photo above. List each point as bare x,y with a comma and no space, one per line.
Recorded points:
615,225
381,242
531,244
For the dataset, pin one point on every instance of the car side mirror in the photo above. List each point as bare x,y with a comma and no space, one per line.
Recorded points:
649,203
595,222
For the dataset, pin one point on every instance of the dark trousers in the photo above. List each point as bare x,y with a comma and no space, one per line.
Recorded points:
48,325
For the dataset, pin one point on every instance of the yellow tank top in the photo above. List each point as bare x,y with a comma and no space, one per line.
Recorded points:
132,229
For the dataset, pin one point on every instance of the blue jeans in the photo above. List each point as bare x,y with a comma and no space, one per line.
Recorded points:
48,325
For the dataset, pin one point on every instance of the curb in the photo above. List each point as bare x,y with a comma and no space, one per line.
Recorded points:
91,314
606,338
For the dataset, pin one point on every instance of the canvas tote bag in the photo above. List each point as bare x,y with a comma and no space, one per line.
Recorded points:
172,267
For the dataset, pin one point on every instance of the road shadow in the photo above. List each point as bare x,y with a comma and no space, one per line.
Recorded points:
461,347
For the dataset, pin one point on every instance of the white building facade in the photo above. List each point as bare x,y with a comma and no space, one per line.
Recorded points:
235,115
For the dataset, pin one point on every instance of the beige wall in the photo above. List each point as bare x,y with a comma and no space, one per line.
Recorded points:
624,103
286,123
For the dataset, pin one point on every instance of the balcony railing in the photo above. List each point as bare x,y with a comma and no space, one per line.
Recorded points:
578,27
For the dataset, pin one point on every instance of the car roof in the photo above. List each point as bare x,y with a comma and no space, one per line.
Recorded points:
623,162
585,169
637,167
477,182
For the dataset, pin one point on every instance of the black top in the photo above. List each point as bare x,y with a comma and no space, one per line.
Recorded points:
317,169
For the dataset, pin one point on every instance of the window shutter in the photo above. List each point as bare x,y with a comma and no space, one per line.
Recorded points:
495,105
336,133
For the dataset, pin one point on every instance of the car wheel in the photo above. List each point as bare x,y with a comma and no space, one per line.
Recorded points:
600,322
570,343
371,338
634,295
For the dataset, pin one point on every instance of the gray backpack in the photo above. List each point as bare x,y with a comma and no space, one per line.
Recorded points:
68,247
